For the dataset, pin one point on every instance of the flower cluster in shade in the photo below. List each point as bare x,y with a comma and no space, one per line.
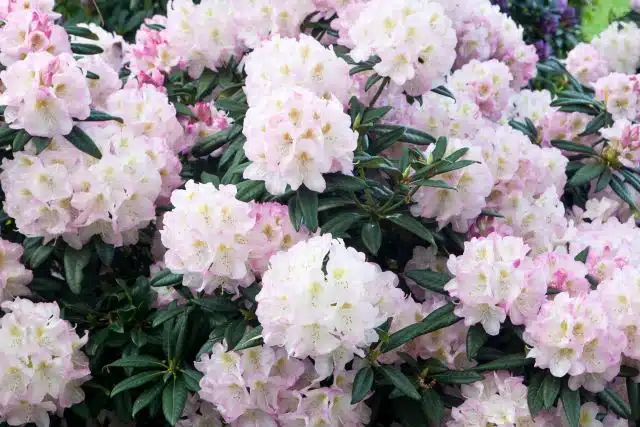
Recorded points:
216,240
14,277
264,386
42,364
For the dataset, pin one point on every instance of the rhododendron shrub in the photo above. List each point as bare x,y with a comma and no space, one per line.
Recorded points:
315,213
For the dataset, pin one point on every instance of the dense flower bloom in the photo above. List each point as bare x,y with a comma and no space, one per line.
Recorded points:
624,139
619,46
152,51
207,237
8,6
283,62
199,413
472,185
487,83
620,93
293,137
564,273
44,93
528,104
575,336
107,83
558,125
500,399
585,63
415,42
442,116
272,232
28,31
64,192
13,276
114,49
43,367
313,313
208,121
493,278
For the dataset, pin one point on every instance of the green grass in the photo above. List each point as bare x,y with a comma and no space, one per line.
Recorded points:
597,18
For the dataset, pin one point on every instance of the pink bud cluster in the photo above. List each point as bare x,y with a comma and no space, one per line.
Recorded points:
153,55
44,93
14,277
42,366
294,137
208,121
263,386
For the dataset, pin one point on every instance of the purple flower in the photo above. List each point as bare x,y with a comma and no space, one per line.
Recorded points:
570,17
544,49
550,23
561,5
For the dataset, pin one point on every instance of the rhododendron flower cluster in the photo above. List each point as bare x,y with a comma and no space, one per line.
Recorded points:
415,42
620,93
585,63
294,137
528,104
208,121
44,93
152,52
8,6
114,49
13,275
493,278
624,139
27,31
619,46
42,365
312,310
442,116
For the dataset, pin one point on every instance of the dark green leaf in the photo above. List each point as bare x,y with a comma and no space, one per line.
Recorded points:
146,397
85,49
165,278
137,361
633,392
340,223
105,251
432,407
371,236
192,380
476,339
219,304
399,381
174,399
211,143
604,180
436,183
360,68
586,173
582,256
92,76
619,188
79,139
179,335
295,212
308,201
184,110
40,143
372,80
372,115
571,404
85,33
251,338
99,116
572,146
135,381
362,384
596,124
325,204
441,148
508,362
40,255
340,182
20,140
206,83
430,279
166,314
74,263
413,225
457,377
550,389
386,140
441,90
615,404
234,333
535,398
250,190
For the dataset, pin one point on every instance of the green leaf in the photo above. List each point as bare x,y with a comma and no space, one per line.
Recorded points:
572,146
507,362
550,389
85,49
137,361
165,278
79,139
206,83
399,381
219,304
429,279
476,339
411,224
386,140
535,398
340,223
372,80
211,143
417,137
371,236
457,377
360,68
174,399
374,114
619,188
432,407
179,335
234,333
74,263
441,90
571,404
362,384
582,256
250,190
99,116
615,404
586,173
251,338
295,212
40,143
436,183
633,392
7,134
308,201
192,380
184,110
596,124
91,76
604,180
340,182
85,33
166,314
441,148
325,204
147,397
135,381
20,140
40,256
105,251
